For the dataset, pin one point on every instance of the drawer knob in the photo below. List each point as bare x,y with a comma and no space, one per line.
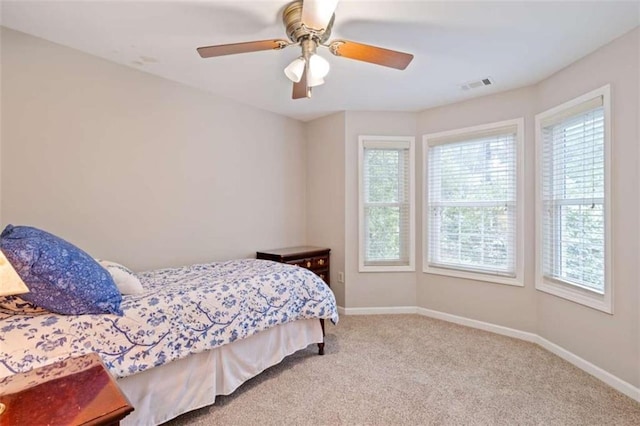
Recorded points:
322,276
308,264
321,262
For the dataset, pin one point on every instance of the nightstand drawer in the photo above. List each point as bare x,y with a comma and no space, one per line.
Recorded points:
324,274
312,263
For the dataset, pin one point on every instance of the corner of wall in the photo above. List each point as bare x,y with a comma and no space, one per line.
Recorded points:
325,199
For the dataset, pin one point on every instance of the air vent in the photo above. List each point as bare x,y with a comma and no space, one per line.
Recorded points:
477,83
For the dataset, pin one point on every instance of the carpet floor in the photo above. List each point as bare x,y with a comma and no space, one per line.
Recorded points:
413,370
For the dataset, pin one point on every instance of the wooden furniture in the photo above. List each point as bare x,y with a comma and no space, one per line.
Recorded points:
75,391
316,259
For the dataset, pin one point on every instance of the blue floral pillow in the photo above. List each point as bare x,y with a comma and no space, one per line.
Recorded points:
61,277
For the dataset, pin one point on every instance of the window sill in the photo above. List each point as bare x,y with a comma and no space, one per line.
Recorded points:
591,299
406,268
494,279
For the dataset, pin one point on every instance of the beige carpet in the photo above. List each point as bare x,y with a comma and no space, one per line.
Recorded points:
412,370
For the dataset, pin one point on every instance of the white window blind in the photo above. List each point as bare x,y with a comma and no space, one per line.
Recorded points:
573,196
386,197
472,202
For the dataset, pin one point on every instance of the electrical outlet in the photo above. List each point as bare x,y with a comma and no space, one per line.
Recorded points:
341,277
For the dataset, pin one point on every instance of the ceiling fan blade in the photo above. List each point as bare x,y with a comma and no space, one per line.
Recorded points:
300,89
250,46
317,14
372,54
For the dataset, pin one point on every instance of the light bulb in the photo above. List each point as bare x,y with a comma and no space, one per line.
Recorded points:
314,81
295,69
318,66
316,14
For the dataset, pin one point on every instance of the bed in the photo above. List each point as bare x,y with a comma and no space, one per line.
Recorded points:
194,333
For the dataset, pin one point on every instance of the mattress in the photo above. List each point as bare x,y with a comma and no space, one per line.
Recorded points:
183,311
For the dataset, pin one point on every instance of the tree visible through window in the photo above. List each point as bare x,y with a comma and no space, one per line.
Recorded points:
472,204
472,210
572,198
386,203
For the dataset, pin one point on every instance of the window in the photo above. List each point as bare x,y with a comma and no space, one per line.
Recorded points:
387,209
473,203
572,143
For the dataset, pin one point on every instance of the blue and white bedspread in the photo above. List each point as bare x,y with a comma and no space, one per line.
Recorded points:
183,311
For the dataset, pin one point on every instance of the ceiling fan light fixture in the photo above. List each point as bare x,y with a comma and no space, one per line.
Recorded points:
316,14
308,24
295,69
318,66
313,81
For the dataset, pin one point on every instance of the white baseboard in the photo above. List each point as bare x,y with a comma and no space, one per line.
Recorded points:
608,378
378,311
486,326
613,381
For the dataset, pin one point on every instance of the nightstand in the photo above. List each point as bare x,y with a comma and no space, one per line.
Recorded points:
315,259
75,391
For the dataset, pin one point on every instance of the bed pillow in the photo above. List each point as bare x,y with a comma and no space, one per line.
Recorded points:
125,279
61,277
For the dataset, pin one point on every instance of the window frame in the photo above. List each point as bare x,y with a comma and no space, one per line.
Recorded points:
560,288
393,142
457,135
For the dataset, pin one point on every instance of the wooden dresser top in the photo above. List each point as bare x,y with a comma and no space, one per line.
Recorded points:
75,391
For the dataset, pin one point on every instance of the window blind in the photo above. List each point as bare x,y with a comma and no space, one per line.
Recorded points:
472,196
386,198
573,195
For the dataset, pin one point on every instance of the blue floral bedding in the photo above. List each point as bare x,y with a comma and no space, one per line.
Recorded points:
182,311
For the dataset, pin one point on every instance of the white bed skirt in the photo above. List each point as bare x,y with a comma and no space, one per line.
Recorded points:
163,393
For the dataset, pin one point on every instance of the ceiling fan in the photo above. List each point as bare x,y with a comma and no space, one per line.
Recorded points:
308,23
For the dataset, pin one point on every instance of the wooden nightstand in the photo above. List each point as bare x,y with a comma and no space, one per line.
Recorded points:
316,259
75,391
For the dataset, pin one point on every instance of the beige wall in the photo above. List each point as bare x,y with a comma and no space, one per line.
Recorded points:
139,169
325,192
609,341
506,305
372,289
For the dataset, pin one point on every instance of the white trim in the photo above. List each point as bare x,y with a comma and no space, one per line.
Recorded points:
615,382
381,310
575,293
597,372
481,129
481,325
397,142
608,378
385,142
573,106
476,276
570,292
388,268
450,135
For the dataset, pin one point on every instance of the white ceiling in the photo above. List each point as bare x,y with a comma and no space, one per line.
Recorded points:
514,43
